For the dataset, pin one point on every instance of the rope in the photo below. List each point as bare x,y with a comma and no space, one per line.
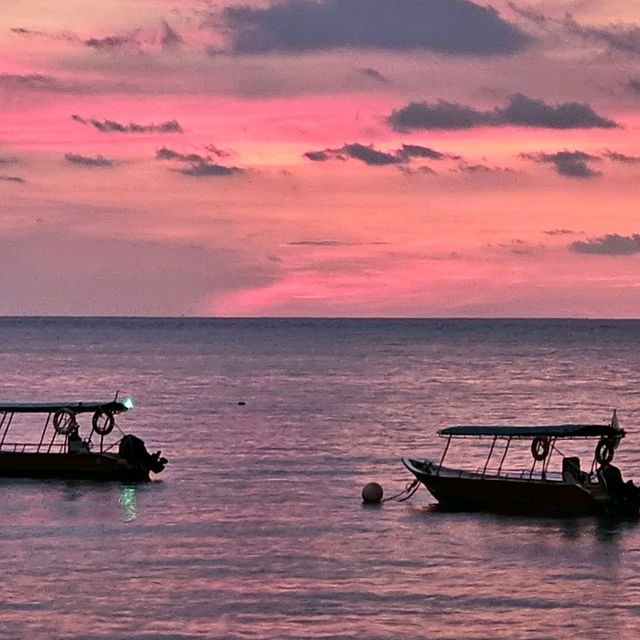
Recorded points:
408,491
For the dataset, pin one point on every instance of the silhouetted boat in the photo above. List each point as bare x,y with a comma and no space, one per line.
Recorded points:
534,490
56,449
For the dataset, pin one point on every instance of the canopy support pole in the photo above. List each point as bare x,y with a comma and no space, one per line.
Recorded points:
6,428
46,425
504,455
444,453
486,463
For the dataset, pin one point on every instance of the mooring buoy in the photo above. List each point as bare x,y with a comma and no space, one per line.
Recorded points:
372,493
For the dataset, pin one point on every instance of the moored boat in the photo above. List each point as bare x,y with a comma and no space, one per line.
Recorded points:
51,443
537,489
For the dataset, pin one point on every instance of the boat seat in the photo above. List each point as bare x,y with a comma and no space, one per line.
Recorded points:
571,470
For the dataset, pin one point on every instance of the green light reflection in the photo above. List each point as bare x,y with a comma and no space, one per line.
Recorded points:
127,499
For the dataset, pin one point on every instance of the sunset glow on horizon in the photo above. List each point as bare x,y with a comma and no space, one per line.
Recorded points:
423,158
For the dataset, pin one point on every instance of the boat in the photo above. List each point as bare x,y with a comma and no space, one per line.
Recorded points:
536,489
51,443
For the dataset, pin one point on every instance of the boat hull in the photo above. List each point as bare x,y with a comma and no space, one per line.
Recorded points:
475,492
85,466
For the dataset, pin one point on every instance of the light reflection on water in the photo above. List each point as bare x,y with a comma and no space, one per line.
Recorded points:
256,529
127,501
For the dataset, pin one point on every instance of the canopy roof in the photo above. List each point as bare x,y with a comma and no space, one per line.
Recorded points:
113,406
557,431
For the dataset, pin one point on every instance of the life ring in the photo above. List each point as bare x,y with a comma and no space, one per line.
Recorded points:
64,421
540,448
102,422
605,451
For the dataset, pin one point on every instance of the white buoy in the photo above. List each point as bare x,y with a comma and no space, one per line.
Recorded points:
372,493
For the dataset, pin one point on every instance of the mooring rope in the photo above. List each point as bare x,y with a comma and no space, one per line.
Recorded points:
406,493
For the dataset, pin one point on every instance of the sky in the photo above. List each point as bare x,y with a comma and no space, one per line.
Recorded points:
385,158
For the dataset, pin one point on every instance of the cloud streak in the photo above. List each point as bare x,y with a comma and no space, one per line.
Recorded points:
610,244
88,161
618,37
521,111
198,166
571,164
104,126
33,81
371,156
457,27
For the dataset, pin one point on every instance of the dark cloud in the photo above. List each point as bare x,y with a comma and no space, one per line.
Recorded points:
170,37
169,154
219,153
170,126
198,165
466,167
417,151
442,115
560,232
373,157
611,244
521,111
374,75
412,171
203,169
634,85
112,42
88,161
320,243
572,164
333,243
15,179
519,247
138,40
621,157
26,32
323,156
64,36
447,26
27,81
617,37
527,112
529,14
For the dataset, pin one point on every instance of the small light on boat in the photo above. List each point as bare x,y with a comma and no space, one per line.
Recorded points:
128,402
372,493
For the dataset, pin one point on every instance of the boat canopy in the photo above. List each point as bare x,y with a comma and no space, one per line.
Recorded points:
557,431
112,406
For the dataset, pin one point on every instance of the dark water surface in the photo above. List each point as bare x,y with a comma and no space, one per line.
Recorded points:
256,529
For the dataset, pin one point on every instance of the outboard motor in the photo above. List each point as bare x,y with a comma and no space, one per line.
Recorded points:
132,449
624,494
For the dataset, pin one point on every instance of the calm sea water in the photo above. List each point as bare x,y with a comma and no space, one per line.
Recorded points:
256,528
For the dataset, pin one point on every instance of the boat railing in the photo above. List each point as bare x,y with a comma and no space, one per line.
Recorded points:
32,447
513,474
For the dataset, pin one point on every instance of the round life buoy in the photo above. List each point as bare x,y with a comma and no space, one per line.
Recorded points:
540,448
604,451
102,422
64,421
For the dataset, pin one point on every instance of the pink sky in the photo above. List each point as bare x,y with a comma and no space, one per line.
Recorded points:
334,158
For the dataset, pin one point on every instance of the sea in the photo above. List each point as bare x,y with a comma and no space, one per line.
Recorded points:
256,529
